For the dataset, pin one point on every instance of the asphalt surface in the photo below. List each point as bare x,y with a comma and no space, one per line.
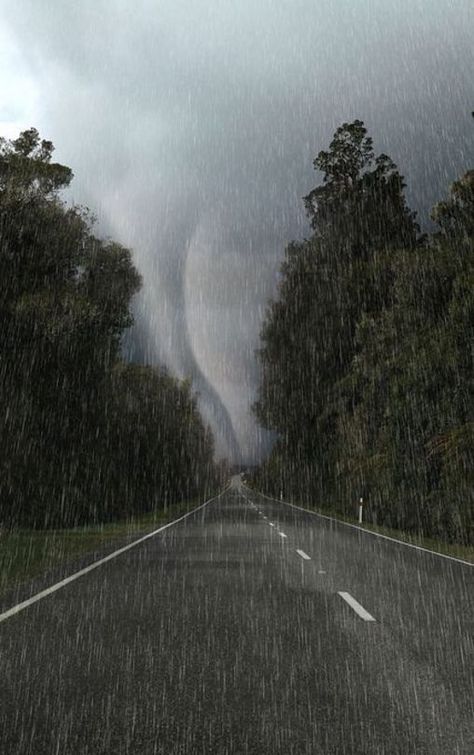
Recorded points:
220,635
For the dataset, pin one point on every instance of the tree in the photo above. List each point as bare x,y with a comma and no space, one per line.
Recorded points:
360,207
359,216
26,170
367,360
82,437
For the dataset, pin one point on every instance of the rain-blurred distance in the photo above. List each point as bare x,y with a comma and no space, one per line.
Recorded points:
343,366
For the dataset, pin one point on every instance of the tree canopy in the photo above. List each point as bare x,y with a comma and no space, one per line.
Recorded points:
83,436
366,354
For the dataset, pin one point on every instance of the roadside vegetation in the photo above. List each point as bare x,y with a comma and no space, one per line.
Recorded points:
367,352
85,438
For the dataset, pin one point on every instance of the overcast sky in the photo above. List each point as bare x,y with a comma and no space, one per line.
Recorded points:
191,126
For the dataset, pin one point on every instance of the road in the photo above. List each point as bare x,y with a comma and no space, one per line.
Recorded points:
228,633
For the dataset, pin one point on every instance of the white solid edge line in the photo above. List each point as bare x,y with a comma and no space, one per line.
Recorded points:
303,555
368,532
360,610
44,593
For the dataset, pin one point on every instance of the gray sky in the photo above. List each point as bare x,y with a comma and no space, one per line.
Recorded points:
191,126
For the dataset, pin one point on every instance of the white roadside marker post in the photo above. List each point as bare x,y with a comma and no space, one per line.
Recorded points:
361,503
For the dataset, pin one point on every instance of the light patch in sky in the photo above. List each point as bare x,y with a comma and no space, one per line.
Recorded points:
19,93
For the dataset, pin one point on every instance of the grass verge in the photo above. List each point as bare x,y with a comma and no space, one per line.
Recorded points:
25,554
464,552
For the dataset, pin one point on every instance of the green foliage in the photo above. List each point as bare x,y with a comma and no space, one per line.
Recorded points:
26,170
367,354
169,456
456,215
361,206
82,436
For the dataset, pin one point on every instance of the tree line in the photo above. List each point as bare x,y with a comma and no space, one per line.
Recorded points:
84,436
367,352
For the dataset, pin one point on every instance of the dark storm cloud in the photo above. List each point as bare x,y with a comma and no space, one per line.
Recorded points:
192,125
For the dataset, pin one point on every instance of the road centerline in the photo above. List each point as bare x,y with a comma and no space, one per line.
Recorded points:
303,555
360,610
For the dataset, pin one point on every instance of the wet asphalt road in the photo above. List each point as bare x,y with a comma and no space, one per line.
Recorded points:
220,635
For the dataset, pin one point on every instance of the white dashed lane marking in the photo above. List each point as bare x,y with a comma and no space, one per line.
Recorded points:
303,555
360,610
